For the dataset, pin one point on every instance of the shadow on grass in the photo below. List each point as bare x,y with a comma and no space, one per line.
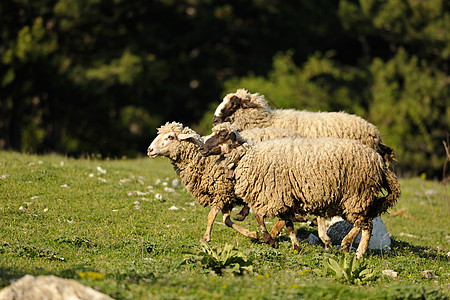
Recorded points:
8,274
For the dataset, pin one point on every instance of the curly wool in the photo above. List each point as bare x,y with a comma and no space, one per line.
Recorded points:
310,124
205,177
326,177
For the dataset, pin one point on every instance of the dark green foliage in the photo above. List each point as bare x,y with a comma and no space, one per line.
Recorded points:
218,259
83,77
347,268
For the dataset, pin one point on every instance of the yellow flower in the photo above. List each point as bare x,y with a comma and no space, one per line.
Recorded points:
91,275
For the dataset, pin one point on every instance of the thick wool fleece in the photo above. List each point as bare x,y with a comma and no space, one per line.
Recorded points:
204,179
326,177
310,124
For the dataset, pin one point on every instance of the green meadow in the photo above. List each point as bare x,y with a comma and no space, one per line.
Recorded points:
124,227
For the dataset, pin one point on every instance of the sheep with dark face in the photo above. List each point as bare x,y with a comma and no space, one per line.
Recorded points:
247,110
205,178
322,176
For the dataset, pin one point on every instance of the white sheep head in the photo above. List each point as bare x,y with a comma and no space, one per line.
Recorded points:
223,140
231,103
168,142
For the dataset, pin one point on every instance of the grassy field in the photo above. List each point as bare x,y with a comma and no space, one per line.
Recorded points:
121,227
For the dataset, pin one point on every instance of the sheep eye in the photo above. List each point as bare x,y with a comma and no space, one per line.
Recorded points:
170,137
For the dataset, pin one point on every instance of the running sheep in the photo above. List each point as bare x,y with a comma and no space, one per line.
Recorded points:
247,110
205,178
325,177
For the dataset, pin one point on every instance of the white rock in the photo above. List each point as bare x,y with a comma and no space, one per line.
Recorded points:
380,239
390,273
49,287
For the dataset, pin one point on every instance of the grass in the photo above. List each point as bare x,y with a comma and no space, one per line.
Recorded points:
101,223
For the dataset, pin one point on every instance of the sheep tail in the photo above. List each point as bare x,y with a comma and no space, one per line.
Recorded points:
391,185
388,154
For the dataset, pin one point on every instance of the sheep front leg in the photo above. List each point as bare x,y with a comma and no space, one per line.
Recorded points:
322,230
266,236
292,235
211,217
227,220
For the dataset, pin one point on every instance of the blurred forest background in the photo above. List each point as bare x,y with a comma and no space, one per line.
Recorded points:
83,77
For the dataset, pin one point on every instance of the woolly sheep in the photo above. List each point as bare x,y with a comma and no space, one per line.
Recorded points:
324,176
251,110
205,178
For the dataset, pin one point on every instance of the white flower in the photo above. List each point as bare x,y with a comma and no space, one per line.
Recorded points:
175,183
158,181
35,197
125,180
45,209
64,186
158,196
21,208
102,179
100,170
91,175
173,208
168,189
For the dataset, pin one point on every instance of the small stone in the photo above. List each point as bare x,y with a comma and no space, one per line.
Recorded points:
429,274
390,273
312,239
175,183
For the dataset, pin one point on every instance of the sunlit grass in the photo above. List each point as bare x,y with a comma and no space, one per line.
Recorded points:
121,226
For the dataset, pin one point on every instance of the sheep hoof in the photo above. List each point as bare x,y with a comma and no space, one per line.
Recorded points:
253,235
204,239
240,217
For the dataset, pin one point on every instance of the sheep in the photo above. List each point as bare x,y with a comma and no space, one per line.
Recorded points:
205,178
251,110
325,177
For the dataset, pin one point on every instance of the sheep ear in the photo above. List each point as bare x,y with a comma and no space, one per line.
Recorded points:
248,104
185,136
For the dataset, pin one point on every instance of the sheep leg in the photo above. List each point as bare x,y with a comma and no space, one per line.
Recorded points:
243,213
265,234
292,235
211,217
322,230
364,243
227,220
347,241
277,228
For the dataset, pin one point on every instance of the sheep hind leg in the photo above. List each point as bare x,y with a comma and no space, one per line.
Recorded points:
292,235
265,234
240,216
227,220
365,238
347,241
211,217
322,230
277,228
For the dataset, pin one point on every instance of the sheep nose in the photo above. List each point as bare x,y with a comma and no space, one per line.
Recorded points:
203,150
215,120
149,151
